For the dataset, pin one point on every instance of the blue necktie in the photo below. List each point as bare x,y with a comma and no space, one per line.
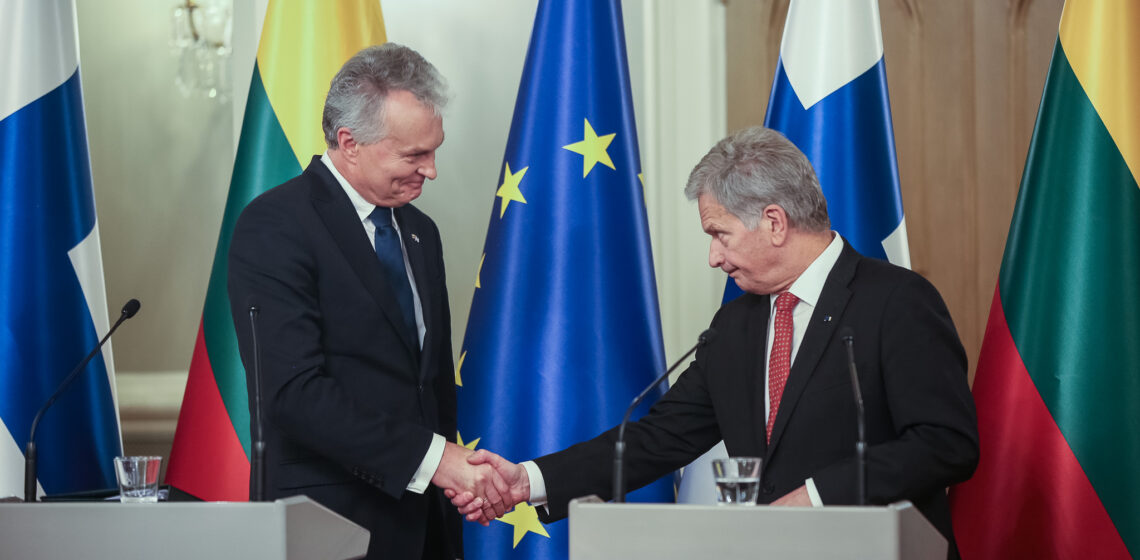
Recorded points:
392,261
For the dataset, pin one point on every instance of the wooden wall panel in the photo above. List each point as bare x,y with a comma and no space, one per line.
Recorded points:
965,79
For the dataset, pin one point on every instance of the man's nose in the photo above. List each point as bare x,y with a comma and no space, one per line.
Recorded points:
428,169
716,254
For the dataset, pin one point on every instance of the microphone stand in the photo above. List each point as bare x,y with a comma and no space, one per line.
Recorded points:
860,422
30,454
257,462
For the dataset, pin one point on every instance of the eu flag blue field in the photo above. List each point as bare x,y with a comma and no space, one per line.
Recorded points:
564,328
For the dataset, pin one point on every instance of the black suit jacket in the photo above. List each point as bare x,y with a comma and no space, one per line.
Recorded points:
921,424
350,401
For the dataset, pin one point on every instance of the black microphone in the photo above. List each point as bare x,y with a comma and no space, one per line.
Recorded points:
619,445
257,462
128,311
848,336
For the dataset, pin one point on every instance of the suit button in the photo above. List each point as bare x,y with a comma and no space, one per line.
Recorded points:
767,488
420,388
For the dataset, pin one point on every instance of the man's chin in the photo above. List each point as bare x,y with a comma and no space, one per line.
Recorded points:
412,193
742,284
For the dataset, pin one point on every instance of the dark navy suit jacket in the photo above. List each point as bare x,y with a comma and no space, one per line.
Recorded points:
350,401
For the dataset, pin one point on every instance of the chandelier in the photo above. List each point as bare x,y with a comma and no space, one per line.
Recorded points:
200,41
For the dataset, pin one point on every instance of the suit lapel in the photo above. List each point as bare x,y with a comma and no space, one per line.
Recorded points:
821,329
343,224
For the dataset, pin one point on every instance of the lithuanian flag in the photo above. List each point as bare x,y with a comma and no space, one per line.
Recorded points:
303,44
1058,382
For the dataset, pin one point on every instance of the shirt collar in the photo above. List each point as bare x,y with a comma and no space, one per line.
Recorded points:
363,207
809,285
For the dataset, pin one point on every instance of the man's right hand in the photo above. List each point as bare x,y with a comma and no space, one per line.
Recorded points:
458,475
514,477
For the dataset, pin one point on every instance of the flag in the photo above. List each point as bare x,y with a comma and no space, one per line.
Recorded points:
53,307
564,328
829,98
302,46
1058,380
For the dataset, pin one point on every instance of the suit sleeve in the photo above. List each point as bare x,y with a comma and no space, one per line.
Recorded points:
272,263
678,428
923,370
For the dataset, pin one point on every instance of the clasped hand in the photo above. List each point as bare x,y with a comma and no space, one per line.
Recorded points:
481,484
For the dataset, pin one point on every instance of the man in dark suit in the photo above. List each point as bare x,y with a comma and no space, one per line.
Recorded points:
353,321
774,383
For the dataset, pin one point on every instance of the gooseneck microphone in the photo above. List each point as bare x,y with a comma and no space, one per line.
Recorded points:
257,462
619,445
848,336
129,310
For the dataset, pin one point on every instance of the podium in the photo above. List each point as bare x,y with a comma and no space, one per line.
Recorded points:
292,528
675,531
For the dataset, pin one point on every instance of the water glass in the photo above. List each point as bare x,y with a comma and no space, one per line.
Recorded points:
737,480
138,478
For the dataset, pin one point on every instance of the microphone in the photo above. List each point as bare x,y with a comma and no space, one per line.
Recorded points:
30,455
848,336
257,461
619,445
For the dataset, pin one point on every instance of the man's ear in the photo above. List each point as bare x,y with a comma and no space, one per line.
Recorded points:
346,143
776,220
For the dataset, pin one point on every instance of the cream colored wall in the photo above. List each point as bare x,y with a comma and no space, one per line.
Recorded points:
162,162
160,167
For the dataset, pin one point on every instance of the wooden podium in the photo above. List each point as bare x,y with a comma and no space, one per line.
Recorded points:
674,531
292,528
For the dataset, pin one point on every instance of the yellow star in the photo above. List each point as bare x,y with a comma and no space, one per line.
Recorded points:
641,177
509,190
479,273
593,149
525,520
459,366
469,445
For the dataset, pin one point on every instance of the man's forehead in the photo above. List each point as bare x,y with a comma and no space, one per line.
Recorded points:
710,208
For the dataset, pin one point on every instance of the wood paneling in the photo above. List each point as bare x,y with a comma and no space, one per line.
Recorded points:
965,79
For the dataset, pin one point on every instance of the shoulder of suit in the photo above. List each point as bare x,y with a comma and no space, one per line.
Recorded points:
884,275
742,307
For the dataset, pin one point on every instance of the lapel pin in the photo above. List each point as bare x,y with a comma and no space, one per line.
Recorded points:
827,318
415,238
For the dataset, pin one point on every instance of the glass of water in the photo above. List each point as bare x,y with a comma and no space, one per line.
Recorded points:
138,478
737,480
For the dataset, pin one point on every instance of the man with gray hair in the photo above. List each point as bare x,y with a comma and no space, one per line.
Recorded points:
774,383
357,383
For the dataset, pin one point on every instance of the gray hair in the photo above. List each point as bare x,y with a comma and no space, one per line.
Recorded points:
358,91
756,167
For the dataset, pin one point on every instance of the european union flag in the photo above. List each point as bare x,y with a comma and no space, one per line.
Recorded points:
829,97
52,303
564,329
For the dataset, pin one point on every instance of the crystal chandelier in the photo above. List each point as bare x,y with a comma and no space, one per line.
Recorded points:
200,40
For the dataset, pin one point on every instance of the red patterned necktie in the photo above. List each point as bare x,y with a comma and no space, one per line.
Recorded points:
780,361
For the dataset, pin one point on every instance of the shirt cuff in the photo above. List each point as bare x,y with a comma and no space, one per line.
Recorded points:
813,494
537,484
428,466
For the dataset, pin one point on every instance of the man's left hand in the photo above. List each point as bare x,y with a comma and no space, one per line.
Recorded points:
798,498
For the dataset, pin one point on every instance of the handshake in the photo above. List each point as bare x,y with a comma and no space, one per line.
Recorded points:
481,484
